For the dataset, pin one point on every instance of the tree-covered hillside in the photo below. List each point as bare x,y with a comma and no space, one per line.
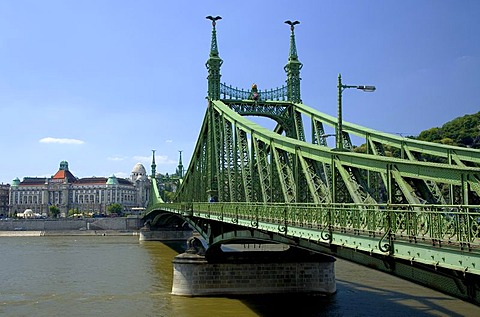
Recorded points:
463,131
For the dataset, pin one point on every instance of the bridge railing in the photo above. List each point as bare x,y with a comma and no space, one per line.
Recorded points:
445,225
229,92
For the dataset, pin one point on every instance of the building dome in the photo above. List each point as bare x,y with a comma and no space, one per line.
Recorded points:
16,182
112,180
139,169
63,166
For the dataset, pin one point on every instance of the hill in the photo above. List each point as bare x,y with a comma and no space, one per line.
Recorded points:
462,131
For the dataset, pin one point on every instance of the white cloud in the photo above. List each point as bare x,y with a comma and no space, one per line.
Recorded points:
159,159
168,141
116,158
142,159
61,141
163,159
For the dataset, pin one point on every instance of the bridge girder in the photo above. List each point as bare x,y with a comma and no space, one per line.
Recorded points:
237,160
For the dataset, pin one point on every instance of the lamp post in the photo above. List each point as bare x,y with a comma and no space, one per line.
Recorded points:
341,87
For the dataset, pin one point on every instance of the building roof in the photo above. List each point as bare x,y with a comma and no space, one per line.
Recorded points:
33,181
123,181
64,174
139,169
112,180
91,181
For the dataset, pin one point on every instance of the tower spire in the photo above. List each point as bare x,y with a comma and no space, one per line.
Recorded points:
180,166
293,47
214,45
154,166
214,63
293,67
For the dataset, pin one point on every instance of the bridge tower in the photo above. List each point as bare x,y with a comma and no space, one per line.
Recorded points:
245,272
213,65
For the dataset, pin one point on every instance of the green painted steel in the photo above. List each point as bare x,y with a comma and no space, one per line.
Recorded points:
293,67
214,63
441,236
253,175
420,205
282,161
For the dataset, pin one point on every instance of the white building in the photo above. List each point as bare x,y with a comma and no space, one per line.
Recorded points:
91,194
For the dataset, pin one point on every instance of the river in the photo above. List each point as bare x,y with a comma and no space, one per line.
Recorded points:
119,276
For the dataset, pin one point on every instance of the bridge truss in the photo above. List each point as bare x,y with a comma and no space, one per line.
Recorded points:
402,201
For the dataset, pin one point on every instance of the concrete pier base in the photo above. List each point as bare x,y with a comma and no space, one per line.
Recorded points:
164,235
262,273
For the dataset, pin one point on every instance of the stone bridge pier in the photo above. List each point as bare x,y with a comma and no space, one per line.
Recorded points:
164,234
241,271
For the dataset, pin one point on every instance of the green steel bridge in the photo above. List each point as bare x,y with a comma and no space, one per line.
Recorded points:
408,207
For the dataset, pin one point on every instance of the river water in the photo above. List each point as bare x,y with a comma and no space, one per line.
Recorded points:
119,276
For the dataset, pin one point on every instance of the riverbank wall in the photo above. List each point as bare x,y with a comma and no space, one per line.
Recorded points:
87,226
67,233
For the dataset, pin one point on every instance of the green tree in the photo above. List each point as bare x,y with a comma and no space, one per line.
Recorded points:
431,135
54,211
360,149
115,208
461,131
447,141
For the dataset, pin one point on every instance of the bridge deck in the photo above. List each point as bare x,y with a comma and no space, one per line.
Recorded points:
435,235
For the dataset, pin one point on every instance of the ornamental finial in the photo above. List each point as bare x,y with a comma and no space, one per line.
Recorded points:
214,63
293,47
214,46
293,67
292,24
214,19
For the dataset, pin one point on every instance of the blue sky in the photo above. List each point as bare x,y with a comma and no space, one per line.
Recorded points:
100,83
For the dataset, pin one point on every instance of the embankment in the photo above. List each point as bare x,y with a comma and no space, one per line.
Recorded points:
62,227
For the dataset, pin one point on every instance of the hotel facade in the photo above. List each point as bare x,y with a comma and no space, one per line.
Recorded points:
83,195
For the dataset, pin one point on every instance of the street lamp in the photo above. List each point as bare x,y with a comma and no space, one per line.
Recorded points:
341,88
